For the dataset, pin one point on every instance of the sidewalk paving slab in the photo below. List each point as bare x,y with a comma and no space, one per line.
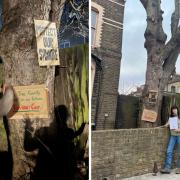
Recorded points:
159,176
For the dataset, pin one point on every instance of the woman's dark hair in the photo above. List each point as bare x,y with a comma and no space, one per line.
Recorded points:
174,107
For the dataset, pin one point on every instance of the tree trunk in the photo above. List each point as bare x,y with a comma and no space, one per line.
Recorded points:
18,51
162,56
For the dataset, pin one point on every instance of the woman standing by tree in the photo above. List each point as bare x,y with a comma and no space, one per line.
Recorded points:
173,140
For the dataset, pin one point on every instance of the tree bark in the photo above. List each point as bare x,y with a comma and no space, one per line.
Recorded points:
18,51
161,56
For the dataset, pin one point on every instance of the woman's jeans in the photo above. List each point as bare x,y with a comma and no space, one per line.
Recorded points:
169,153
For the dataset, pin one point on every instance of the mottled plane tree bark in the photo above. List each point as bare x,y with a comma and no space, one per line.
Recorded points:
161,54
18,51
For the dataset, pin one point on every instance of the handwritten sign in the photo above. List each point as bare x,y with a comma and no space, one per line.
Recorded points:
47,43
30,101
149,115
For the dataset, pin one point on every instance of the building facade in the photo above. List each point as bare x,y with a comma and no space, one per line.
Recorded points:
174,84
106,42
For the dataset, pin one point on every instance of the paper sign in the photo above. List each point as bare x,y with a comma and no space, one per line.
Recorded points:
47,43
153,96
149,115
30,101
173,122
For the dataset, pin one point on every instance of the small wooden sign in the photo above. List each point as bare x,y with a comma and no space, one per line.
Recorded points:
30,101
47,43
153,96
149,115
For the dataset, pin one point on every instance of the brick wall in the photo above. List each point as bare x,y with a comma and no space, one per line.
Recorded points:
117,154
110,54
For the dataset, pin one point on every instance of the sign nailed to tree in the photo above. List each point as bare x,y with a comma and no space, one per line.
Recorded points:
149,115
30,101
47,43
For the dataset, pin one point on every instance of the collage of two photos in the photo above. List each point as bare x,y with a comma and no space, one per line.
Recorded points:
90,89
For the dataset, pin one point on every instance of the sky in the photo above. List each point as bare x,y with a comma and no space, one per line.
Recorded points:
134,56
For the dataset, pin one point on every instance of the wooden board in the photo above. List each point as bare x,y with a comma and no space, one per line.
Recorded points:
47,43
149,115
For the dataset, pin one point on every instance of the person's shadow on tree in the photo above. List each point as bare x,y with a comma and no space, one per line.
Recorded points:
56,159
66,154
42,142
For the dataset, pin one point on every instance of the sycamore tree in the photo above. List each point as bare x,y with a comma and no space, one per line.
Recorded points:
161,54
19,53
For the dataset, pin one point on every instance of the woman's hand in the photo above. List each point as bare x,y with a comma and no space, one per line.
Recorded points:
165,126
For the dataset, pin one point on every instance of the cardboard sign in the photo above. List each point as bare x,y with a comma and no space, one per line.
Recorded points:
30,101
149,115
47,43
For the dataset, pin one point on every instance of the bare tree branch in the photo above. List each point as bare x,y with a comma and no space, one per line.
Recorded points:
174,42
154,34
144,3
175,17
169,68
170,46
78,7
170,61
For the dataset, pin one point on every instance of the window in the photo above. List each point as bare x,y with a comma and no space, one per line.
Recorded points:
96,24
65,44
94,17
173,89
178,89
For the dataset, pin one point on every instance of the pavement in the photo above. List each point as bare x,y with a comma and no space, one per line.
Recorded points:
159,176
